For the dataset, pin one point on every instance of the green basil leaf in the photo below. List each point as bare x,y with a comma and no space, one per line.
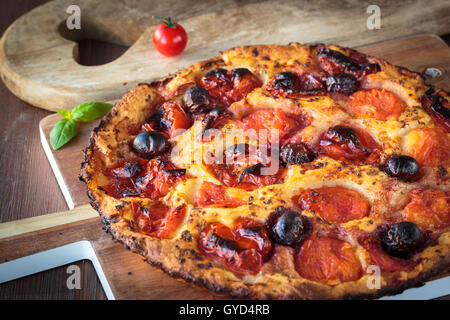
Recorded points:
63,132
65,113
90,111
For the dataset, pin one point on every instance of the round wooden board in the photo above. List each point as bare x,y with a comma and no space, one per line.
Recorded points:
38,54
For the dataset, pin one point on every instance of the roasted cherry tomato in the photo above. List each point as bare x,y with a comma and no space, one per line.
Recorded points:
169,120
214,119
154,123
334,204
291,84
248,178
158,178
381,258
241,249
128,170
226,87
327,260
377,104
247,169
244,81
211,194
345,143
271,122
438,107
158,220
430,147
332,62
169,38
174,118
429,209
140,178
123,177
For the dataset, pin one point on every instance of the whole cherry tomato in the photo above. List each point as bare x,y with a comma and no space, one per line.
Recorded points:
169,37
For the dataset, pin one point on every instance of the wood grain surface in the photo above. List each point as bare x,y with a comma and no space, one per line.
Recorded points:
30,188
128,275
38,55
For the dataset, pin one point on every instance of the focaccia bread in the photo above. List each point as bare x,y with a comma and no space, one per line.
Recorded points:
280,172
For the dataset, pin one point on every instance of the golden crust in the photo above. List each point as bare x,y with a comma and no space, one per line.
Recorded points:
179,255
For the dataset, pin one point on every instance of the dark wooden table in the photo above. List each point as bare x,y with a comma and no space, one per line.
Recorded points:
29,187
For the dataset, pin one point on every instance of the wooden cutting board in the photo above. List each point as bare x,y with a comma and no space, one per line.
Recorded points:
128,276
38,54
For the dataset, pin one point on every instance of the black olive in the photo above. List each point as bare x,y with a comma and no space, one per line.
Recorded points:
402,239
287,227
130,170
285,82
296,153
149,143
197,99
402,167
345,83
344,134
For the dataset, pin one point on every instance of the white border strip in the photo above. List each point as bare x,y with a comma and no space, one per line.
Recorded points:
54,166
53,258
431,290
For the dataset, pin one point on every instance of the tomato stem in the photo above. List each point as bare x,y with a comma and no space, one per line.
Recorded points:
167,21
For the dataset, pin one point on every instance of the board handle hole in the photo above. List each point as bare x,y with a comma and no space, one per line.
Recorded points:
93,52
94,46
